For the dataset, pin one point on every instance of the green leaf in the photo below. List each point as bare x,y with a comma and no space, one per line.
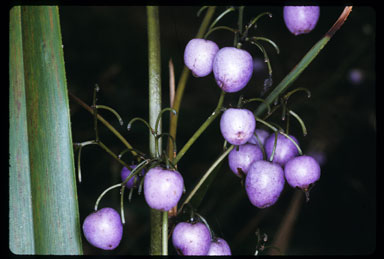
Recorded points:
53,180
294,74
21,239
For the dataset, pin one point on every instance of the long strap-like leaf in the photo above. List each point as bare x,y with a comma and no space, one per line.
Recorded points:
21,239
53,182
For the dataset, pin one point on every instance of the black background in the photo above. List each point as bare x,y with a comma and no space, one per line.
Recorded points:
108,46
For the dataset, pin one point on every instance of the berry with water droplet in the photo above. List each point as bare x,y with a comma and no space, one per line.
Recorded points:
199,55
163,188
241,159
264,183
237,125
103,229
301,19
191,238
232,68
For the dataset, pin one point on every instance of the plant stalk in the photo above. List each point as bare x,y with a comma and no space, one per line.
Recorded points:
158,245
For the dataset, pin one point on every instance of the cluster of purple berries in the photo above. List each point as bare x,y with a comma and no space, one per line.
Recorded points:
194,238
264,179
232,67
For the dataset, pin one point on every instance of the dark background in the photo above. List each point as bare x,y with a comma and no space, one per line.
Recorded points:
108,46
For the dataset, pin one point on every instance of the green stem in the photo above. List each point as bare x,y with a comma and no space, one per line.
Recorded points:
106,123
154,68
165,232
197,134
111,110
204,177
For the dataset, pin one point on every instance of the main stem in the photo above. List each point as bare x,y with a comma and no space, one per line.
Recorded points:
154,69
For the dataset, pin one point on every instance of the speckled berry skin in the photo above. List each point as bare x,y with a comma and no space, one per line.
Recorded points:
264,183
261,134
240,160
302,171
199,55
191,238
219,247
103,229
232,68
162,188
285,149
237,125
125,172
301,19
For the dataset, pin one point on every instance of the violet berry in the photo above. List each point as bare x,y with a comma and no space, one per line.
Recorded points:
125,172
302,171
301,19
191,238
241,159
219,247
199,55
232,68
103,229
264,183
237,125
285,148
163,188
261,134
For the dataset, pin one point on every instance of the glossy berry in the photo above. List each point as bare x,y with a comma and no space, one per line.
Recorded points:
241,159
219,247
285,149
237,125
302,171
264,183
261,134
301,19
232,68
198,56
191,238
163,188
103,229
134,181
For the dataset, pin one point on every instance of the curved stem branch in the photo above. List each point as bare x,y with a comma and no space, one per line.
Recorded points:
111,110
205,176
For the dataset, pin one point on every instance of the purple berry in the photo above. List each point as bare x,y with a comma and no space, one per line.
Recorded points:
237,125
232,69
125,172
261,134
103,229
191,238
163,188
264,183
219,247
285,149
199,55
240,160
301,19
302,171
